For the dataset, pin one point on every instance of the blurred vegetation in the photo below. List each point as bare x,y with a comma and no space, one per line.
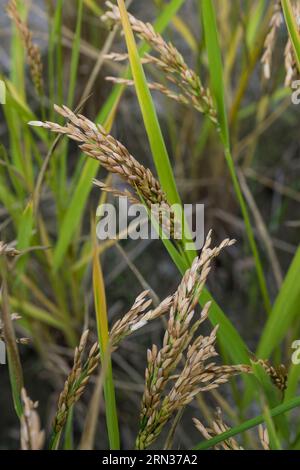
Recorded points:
246,173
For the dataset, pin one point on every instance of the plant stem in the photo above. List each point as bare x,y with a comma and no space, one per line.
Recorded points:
249,230
251,423
103,337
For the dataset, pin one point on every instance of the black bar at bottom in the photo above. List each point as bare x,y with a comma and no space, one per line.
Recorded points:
134,459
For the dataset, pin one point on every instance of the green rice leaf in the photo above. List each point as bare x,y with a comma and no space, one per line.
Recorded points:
284,312
249,424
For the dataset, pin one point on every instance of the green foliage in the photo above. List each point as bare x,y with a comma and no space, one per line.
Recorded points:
45,195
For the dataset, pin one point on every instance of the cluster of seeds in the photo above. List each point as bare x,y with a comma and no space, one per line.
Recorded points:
170,62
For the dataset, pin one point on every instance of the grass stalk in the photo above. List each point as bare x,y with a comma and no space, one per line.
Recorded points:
215,65
106,116
103,337
249,424
293,28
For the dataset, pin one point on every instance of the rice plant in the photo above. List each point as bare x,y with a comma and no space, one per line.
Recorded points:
146,340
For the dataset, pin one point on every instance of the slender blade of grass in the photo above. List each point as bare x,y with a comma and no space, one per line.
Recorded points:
18,52
103,337
273,437
75,54
79,198
22,108
157,144
90,426
217,82
254,21
15,144
25,234
249,424
285,310
92,5
185,32
159,25
151,123
228,335
68,437
293,28
271,397
53,41
292,383
14,363
36,313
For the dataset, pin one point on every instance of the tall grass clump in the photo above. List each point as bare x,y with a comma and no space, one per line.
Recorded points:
192,106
